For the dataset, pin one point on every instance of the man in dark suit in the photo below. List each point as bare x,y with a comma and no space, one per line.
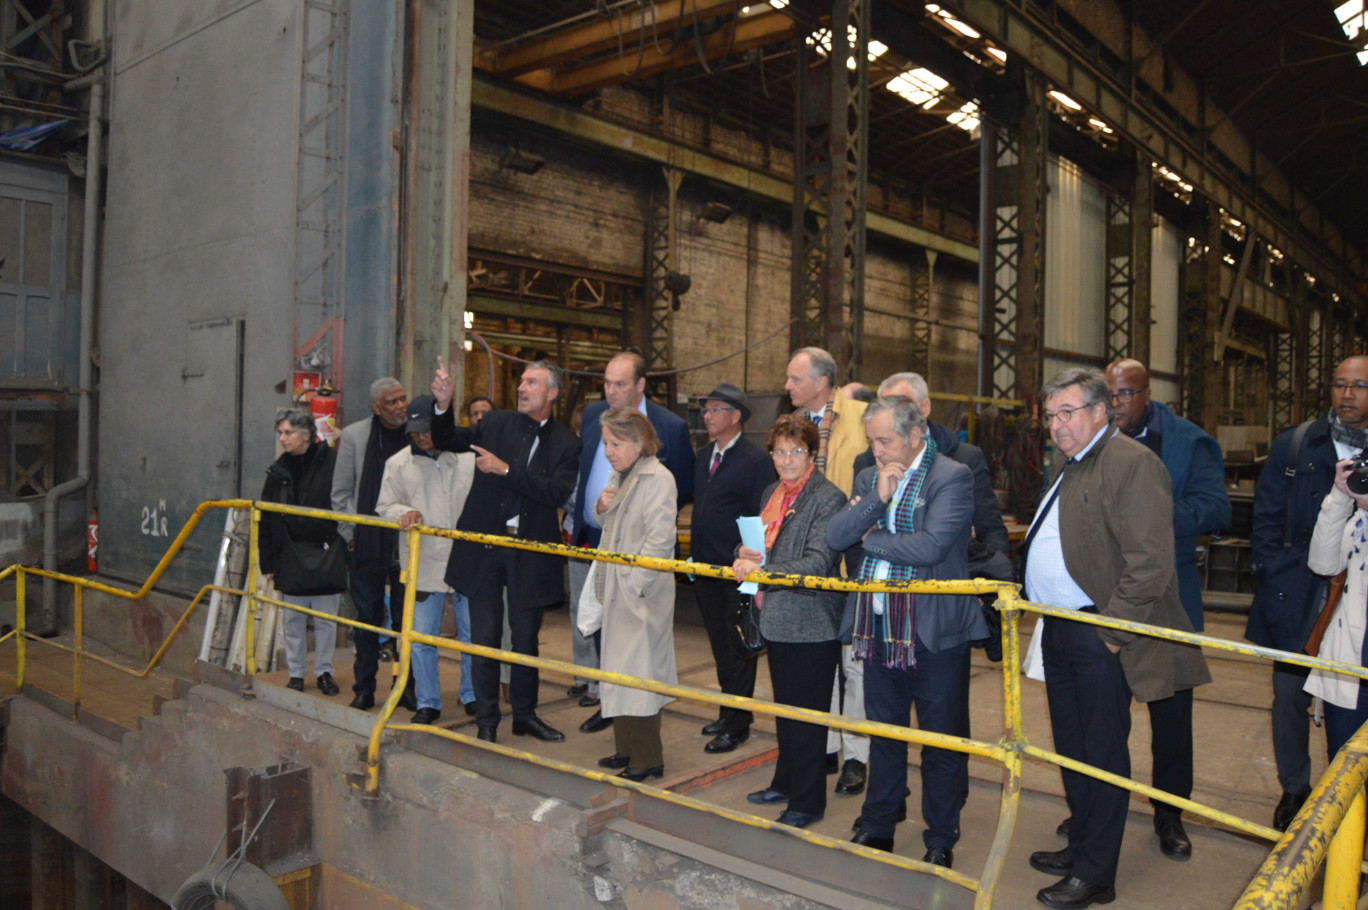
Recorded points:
624,388
730,475
913,511
1200,506
525,469
1287,502
1102,543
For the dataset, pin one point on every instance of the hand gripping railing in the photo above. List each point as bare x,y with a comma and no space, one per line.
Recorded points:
1289,869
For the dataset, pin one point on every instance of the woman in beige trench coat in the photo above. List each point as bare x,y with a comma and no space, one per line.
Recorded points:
637,513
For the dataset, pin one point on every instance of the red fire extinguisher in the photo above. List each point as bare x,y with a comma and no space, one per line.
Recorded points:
92,540
323,409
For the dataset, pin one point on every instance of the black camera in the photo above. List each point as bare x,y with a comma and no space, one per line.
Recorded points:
1357,481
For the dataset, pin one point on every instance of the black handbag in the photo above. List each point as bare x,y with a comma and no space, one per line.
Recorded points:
308,569
746,641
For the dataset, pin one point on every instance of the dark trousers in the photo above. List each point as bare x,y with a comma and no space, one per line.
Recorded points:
639,739
1089,704
367,587
939,688
486,628
1292,727
802,674
719,603
1171,746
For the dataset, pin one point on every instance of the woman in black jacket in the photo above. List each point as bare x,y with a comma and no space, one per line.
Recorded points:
303,555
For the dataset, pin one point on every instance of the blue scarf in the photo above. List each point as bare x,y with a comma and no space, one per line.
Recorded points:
899,615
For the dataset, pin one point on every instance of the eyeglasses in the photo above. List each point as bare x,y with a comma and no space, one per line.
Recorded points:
1064,414
1354,387
789,453
1125,394
708,412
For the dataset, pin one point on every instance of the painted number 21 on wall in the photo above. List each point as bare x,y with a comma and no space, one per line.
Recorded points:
154,519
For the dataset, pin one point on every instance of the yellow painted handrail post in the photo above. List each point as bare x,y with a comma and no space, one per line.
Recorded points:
1008,598
415,539
76,658
250,604
1343,858
21,624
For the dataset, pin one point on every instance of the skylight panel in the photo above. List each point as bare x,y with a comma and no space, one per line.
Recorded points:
1353,19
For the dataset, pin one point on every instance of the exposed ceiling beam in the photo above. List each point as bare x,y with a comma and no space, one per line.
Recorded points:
625,28
645,60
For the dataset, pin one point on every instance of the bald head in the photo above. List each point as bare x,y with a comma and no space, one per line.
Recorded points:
1129,383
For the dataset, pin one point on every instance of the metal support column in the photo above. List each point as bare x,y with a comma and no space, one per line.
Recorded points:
1012,262
651,332
1200,318
1120,276
321,190
1142,247
923,286
829,190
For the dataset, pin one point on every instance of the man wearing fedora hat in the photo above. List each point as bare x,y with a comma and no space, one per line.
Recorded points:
730,475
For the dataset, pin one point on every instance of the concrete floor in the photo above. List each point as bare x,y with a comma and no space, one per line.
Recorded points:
1234,767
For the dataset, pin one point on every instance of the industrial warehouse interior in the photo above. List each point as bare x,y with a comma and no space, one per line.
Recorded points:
220,212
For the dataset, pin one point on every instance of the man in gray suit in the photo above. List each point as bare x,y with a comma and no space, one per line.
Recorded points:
913,510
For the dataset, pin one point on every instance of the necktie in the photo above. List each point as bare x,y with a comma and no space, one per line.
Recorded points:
817,419
717,460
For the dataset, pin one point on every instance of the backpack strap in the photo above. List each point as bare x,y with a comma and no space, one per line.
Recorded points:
1293,459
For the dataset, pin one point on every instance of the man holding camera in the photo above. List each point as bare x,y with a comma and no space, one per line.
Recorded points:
1287,499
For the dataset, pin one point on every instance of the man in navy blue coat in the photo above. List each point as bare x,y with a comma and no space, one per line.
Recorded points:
1287,502
1200,506
624,387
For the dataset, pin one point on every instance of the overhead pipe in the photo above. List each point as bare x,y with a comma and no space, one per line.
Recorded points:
47,624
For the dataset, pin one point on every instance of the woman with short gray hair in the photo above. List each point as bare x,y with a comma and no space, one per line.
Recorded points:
303,556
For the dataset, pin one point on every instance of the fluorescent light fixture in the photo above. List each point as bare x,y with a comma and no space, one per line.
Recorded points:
468,320
996,53
1098,125
951,22
778,4
1065,100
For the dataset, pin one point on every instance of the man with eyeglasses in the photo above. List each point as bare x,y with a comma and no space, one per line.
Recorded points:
1200,506
730,476
624,387
1287,601
1101,543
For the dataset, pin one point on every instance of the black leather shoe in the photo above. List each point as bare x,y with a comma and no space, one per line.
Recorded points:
726,742
409,700
488,734
1173,840
1054,862
940,856
1064,826
640,774
589,701
864,839
1287,809
795,819
1073,893
577,690
852,779
714,728
363,701
538,729
327,685
296,683
425,716
833,762
615,761
766,797
469,708
595,723
902,816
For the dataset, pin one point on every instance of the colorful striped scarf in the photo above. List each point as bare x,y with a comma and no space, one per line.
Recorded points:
899,614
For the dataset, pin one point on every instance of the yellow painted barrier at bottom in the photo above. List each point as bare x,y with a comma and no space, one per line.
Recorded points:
1329,829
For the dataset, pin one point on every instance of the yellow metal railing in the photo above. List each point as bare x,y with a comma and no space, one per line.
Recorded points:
1335,806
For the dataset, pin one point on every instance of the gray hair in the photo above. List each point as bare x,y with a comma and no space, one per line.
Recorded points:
1091,382
820,364
920,390
906,415
554,378
299,418
383,385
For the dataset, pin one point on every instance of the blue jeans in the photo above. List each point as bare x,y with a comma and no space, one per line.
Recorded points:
427,619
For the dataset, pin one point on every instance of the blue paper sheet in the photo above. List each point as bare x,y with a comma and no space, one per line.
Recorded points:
753,537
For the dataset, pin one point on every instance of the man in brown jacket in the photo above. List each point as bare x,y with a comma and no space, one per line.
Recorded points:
1102,543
